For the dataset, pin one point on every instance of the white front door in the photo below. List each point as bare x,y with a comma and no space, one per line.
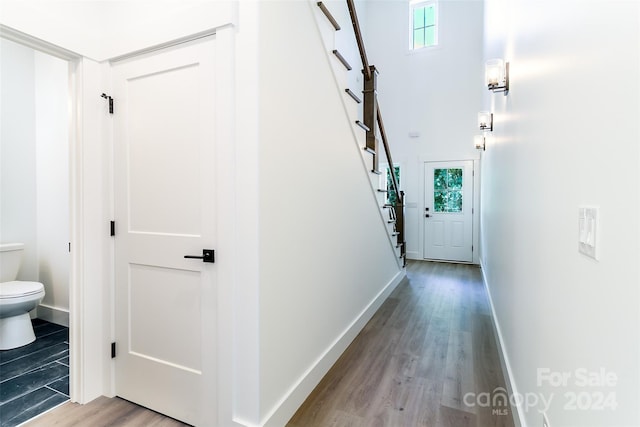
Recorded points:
448,214
165,304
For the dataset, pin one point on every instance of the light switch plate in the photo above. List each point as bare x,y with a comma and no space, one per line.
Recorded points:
588,228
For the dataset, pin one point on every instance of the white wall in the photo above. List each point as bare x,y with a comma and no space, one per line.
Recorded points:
35,169
52,181
18,155
567,135
435,91
324,252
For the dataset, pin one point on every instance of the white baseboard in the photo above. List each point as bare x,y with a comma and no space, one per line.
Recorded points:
512,390
289,404
414,255
59,316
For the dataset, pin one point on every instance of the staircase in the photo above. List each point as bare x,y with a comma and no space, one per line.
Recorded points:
362,107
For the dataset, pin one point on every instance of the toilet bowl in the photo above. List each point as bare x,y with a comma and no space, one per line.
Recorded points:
17,299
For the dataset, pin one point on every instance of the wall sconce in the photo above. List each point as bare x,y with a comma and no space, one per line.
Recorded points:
480,142
485,120
497,76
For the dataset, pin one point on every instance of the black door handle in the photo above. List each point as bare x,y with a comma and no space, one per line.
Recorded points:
427,216
208,255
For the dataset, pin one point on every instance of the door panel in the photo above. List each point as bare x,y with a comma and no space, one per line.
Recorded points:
448,230
164,157
147,315
156,165
437,233
457,234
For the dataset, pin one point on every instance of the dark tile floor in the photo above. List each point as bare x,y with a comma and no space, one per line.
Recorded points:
34,378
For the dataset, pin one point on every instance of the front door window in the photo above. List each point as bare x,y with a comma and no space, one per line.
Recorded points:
447,190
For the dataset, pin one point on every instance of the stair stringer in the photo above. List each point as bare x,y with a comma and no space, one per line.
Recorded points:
352,110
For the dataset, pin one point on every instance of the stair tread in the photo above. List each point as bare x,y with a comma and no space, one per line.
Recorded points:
353,95
330,17
362,125
342,59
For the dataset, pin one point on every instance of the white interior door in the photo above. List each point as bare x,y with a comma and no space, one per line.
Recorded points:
448,215
165,209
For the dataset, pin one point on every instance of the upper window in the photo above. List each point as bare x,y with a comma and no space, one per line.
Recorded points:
424,19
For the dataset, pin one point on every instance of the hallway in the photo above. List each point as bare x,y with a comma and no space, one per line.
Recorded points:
430,344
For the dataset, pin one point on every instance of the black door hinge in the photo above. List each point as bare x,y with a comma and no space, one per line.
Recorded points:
110,99
112,231
113,350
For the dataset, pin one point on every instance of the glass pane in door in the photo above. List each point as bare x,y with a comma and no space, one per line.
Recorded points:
447,190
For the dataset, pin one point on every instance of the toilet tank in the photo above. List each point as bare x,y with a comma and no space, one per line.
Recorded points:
10,259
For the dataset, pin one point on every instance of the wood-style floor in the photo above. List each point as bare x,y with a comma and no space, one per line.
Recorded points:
103,412
429,345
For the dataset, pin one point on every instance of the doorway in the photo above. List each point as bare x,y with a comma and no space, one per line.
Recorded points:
35,199
448,211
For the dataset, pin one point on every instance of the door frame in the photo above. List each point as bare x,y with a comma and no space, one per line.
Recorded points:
76,212
475,204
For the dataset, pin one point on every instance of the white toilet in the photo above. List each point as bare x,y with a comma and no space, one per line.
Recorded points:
17,299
